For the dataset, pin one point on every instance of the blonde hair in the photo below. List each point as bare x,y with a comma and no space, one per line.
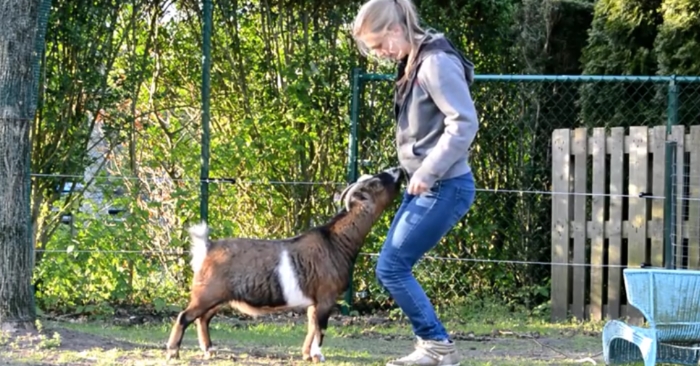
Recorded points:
379,16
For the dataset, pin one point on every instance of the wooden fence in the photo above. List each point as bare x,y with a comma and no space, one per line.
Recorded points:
601,224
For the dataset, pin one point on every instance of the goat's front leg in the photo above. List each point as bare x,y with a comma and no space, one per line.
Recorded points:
313,324
318,316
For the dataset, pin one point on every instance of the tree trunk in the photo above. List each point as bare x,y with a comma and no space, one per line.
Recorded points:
19,21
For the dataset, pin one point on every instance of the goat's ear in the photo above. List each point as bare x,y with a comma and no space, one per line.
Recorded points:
376,185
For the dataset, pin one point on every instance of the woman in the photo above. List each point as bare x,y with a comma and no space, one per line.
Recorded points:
436,124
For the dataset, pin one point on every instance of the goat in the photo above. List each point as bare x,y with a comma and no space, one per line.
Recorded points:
262,276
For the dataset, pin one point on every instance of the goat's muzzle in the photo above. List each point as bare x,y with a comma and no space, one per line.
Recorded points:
397,173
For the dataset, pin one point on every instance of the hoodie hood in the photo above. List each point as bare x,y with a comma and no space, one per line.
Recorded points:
439,44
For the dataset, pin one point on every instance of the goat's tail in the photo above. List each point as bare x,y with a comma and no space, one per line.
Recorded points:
200,244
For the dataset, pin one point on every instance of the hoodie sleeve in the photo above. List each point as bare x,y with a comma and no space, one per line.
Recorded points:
443,77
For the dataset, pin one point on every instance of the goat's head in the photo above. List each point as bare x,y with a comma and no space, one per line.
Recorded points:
373,192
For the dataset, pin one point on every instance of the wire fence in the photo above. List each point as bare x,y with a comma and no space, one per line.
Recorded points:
122,247
122,237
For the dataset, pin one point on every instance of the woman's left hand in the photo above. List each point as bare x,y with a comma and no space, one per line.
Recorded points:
417,186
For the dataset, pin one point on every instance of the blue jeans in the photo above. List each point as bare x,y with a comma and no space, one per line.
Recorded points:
420,222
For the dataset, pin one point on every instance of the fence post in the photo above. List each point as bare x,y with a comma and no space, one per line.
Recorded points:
672,107
354,116
352,167
40,44
669,205
669,174
206,65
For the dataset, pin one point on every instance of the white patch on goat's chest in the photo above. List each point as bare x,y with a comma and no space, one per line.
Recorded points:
290,283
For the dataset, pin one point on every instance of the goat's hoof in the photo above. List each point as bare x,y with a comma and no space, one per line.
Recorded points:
172,354
306,357
318,358
208,355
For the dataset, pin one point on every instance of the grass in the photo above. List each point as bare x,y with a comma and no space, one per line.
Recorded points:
485,337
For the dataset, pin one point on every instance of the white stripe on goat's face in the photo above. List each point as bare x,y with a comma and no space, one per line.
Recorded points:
289,281
316,350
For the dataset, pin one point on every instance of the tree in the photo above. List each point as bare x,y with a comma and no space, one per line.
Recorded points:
21,40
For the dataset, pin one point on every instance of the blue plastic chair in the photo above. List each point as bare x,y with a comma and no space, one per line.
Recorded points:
670,303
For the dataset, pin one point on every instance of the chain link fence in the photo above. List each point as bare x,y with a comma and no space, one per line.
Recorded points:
503,246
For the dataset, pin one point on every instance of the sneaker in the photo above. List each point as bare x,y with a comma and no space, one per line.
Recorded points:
430,353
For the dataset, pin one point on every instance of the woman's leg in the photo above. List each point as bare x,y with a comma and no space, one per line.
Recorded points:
418,226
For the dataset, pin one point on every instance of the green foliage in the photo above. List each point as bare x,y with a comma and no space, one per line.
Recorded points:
279,108
677,44
621,42
481,28
103,262
83,90
641,37
550,35
621,39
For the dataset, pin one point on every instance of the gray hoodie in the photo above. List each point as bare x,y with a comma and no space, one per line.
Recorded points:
436,117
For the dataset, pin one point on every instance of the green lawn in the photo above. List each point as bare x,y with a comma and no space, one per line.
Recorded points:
484,338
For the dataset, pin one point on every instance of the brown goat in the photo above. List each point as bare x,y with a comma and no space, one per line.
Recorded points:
258,276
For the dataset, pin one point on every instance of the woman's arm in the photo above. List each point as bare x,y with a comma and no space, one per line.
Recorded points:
442,76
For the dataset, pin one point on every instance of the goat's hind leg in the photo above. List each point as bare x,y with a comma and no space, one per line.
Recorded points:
194,310
203,332
181,323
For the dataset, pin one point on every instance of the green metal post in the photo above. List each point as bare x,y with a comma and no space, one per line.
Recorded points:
352,165
377,77
40,48
354,116
669,205
206,67
669,174
672,107
35,105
